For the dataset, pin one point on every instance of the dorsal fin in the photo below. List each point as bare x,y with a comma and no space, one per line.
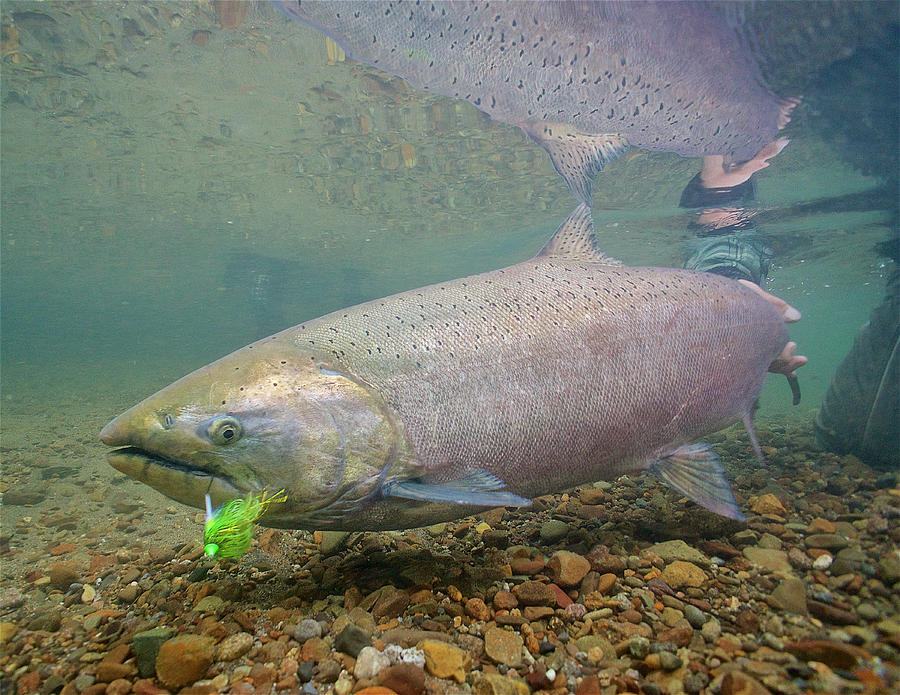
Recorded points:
577,156
575,240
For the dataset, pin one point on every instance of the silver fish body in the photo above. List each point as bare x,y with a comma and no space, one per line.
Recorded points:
418,407
670,76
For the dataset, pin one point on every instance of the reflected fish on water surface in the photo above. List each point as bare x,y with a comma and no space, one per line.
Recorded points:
478,392
582,79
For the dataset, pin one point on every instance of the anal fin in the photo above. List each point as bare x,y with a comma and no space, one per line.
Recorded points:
696,472
478,488
576,156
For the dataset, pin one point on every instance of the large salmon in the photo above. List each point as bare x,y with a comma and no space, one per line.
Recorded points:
583,79
482,391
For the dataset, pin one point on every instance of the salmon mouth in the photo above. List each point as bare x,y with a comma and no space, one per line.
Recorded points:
177,479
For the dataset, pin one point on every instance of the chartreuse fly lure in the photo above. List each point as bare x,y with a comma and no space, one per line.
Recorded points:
229,529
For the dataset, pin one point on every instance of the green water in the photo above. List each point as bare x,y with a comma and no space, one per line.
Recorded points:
139,160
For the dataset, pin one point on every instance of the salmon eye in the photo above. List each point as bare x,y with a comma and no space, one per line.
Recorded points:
224,430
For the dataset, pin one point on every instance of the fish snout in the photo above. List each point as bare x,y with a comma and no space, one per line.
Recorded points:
113,435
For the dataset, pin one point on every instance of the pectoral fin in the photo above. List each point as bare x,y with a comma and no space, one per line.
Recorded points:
697,473
476,488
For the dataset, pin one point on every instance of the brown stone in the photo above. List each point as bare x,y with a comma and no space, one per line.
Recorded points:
477,609
737,683
444,660
606,582
680,635
834,654
391,604
680,573
589,685
146,686
767,504
719,549
108,671
314,649
403,679
591,495
631,615
503,646
507,619
505,600
495,684
567,569
603,561
29,682
534,594
62,574
184,659
562,598
532,613
62,549
831,614
120,686
820,525
526,566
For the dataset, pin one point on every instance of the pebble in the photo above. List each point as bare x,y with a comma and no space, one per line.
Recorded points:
351,640
505,600
834,654
403,679
209,604
823,562
711,630
679,574
399,655
553,531
444,660
503,646
694,616
63,574
767,504
768,558
477,609
612,618
639,647
848,560
889,567
669,661
369,663
789,595
234,646
184,659
8,630
567,569
307,629
604,562
605,583
828,541
532,593
820,525
146,646
496,684
670,551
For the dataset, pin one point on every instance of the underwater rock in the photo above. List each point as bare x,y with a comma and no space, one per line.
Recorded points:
184,659
503,646
444,660
567,569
